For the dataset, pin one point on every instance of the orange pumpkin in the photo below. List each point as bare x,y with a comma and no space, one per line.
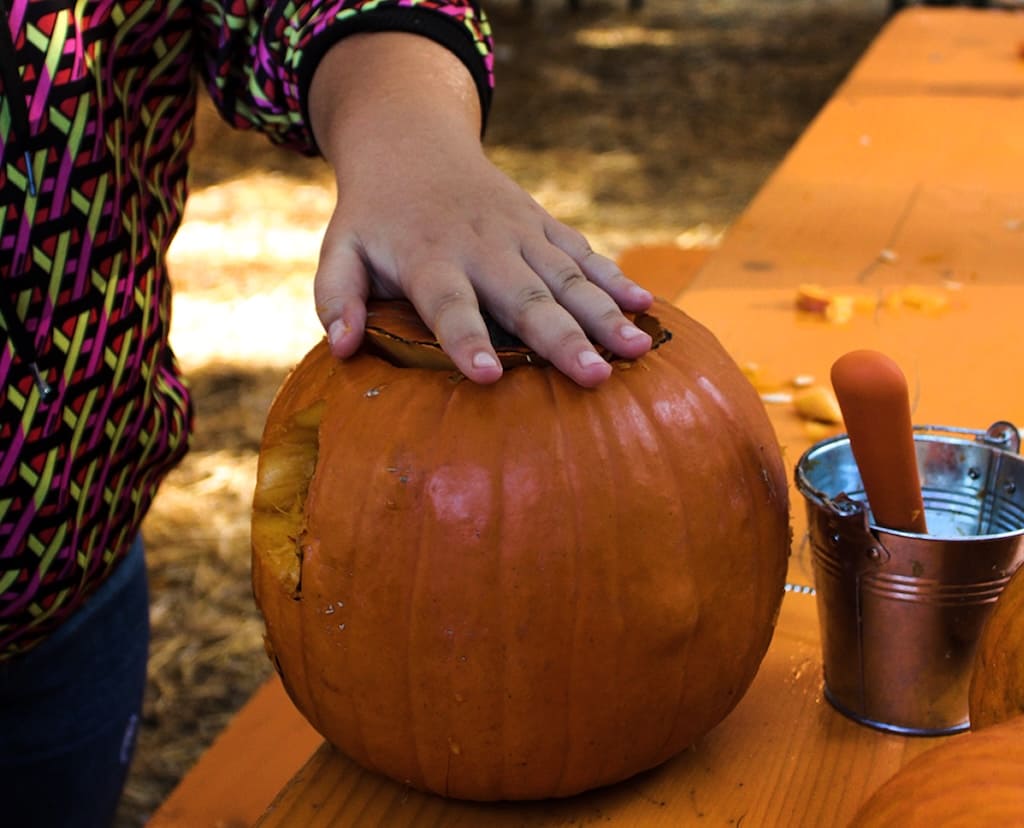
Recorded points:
971,780
522,590
997,680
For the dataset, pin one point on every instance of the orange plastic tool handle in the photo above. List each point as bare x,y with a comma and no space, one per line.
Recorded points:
872,394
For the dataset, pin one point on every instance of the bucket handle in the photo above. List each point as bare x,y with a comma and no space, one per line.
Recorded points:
1002,434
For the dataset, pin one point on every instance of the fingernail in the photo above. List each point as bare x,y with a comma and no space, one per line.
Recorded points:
630,332
641,293
336,331
589,358
484,360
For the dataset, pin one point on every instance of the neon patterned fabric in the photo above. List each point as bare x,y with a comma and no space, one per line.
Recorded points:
96,115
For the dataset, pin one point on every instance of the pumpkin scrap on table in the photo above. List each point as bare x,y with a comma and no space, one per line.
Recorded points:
522,590
840,307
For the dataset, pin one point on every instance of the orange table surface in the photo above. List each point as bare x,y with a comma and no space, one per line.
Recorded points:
912,175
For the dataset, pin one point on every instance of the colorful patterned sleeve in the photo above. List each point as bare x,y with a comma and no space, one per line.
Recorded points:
258,56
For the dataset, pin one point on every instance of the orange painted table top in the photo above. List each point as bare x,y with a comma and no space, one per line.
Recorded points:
905,198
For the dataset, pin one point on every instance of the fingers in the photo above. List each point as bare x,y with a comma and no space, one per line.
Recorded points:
561,296
553,315
542,283
557,305
340,289
593,293
600,270
541,322
445,300
447,304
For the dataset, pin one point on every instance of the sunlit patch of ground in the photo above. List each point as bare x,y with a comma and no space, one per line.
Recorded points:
243,265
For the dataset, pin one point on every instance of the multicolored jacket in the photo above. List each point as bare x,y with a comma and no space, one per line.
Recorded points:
97,100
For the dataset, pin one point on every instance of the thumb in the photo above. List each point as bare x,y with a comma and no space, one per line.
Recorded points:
340,289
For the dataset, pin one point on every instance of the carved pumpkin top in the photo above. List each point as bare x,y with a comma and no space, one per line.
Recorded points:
395,332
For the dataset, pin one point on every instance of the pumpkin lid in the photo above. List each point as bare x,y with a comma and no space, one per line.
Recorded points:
395,332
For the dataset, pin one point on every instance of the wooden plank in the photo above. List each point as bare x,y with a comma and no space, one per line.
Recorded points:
868,177
952,51
665,269
883,192
237,777
933,177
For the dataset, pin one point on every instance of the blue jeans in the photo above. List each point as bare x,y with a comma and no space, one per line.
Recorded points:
71,706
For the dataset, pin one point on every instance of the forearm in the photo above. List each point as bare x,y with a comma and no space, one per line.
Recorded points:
258,58
391,92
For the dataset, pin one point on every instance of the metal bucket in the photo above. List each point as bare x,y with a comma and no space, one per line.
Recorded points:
901,613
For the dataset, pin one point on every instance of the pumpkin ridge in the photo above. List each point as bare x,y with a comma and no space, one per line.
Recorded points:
612,462
686,380
420,626
361,745
561,461
453,744
718,399
677,474
407,627
501,618
306,620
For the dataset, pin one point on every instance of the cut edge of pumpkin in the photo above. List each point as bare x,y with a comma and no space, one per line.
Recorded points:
395,333
283,479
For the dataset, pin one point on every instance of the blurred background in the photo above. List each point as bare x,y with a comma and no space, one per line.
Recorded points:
651,126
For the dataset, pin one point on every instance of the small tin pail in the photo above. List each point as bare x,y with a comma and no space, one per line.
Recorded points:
901,613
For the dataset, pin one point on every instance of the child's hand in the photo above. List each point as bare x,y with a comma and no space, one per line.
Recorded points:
422,213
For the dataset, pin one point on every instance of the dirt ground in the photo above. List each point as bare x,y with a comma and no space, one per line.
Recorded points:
651,126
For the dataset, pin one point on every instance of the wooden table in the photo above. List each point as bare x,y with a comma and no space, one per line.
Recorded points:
913,174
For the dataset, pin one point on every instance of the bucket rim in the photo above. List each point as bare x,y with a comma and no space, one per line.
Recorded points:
1002,437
